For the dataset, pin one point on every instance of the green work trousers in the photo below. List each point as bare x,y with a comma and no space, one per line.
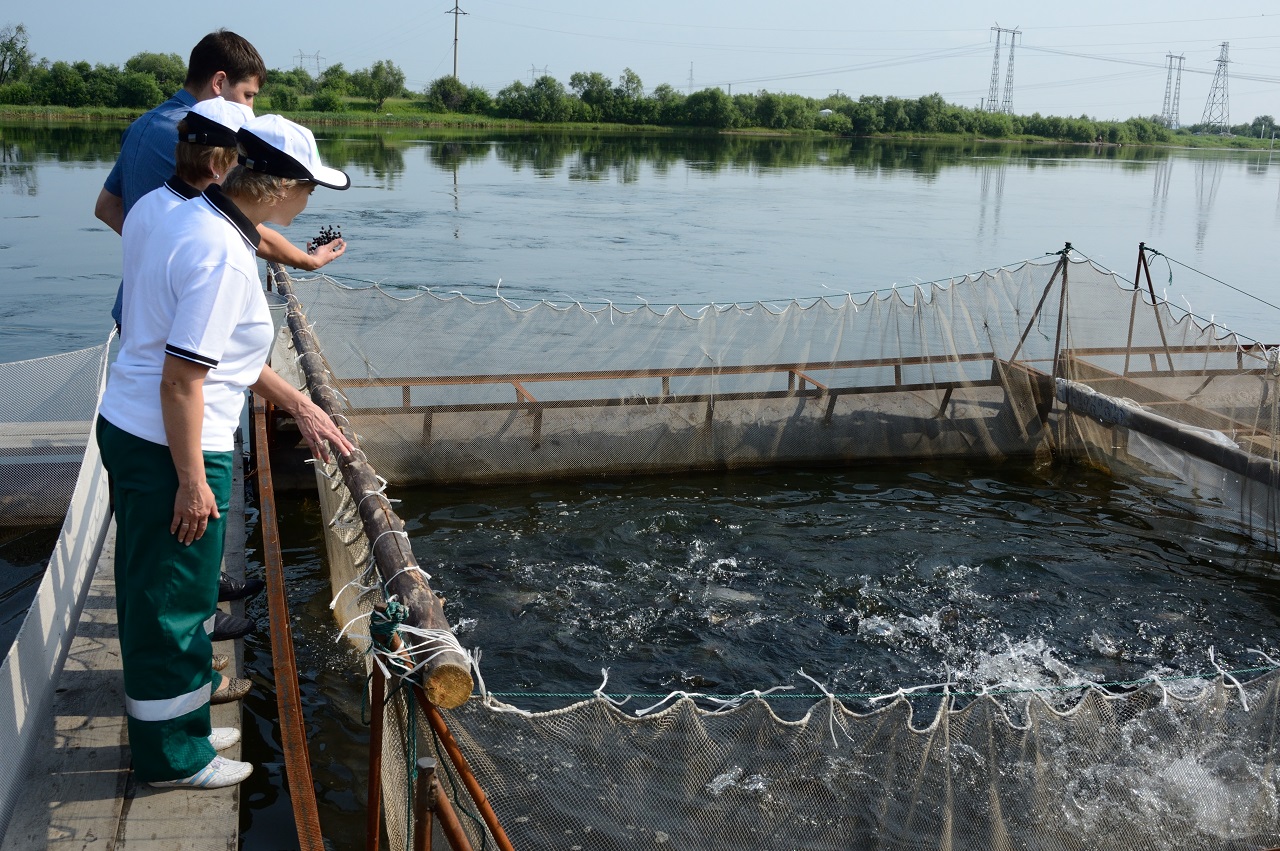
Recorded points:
165,593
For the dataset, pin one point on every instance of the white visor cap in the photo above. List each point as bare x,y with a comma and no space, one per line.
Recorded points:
274,145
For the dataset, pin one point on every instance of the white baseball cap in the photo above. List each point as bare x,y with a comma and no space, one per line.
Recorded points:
215,122
272,144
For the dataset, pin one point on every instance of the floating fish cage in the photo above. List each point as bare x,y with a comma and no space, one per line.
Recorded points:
1060,360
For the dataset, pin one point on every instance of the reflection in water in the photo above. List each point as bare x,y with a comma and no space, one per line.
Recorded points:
1208,177
1160,192
17,174
990,172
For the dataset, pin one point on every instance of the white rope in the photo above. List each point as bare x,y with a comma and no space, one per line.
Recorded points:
320,469
406,569
1164,696
434,642
343,631
599,692
1226,675
381,491
1270,661
832,703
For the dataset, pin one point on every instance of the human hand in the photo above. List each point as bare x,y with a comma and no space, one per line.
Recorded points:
327,253
317,428
193,507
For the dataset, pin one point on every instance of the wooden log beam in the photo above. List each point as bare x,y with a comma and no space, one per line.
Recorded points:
446,680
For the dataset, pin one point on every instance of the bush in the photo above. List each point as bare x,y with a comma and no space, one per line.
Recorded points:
328,101
284,99
19,93
836,123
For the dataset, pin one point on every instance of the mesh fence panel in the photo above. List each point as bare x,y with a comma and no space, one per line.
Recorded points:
1060,357
46,416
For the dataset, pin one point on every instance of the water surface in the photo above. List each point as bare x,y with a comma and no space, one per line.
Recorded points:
868,579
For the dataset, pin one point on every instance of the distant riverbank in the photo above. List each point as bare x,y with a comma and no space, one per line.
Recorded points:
410,114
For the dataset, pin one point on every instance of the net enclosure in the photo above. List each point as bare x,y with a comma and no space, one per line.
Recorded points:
46,418
1055,359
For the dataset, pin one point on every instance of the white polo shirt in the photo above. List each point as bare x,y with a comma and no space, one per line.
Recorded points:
149,210
194,294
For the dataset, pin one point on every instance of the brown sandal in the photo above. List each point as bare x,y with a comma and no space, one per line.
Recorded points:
237,687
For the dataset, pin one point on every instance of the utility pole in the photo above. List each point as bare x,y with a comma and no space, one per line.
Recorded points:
994,102
1172,91
1217,112
456,11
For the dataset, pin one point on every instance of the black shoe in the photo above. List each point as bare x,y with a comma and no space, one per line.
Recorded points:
230,588
227,627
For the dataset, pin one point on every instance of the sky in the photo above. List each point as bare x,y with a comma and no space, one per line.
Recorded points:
1103,59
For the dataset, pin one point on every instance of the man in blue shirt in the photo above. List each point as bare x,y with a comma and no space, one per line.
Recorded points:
222,65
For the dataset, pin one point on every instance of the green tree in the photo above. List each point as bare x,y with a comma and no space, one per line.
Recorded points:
335,79
62,86
137,90
15,58
478,102
102,83
446,94
168,69
596,91
386,80
710,108
548,101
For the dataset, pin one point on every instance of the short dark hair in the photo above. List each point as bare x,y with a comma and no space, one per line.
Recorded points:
224,51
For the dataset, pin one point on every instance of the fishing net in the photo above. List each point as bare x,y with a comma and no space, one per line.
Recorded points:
46,417
1060,359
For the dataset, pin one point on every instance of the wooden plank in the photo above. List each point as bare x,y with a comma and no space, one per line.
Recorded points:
663,373
80,792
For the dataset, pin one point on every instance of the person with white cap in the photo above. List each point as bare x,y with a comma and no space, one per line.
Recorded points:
199,334
206,150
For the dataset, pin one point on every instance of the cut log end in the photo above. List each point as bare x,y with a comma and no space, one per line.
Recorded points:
449,685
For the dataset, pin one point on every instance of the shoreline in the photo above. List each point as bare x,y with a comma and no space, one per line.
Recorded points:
469,123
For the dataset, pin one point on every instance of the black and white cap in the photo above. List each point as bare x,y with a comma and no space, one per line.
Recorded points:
272,144
214,122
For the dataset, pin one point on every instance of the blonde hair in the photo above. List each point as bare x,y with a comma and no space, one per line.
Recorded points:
258,187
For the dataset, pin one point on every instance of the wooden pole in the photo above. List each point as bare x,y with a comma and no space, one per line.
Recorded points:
373,816
446,680
459,760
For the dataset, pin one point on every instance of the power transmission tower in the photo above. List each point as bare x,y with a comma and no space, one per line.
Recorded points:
533,69
1217,112
690,78
456,11
307,57
1172,92
994,102
1006,105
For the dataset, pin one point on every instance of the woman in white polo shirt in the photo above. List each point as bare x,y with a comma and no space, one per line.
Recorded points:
198,332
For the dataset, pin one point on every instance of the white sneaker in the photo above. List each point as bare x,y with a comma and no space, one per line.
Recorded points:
217,774
224,737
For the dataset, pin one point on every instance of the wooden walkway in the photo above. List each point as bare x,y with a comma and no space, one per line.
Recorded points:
80,791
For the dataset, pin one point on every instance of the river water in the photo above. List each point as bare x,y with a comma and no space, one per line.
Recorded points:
868,579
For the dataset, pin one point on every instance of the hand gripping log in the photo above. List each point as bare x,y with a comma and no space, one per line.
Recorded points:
446,679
